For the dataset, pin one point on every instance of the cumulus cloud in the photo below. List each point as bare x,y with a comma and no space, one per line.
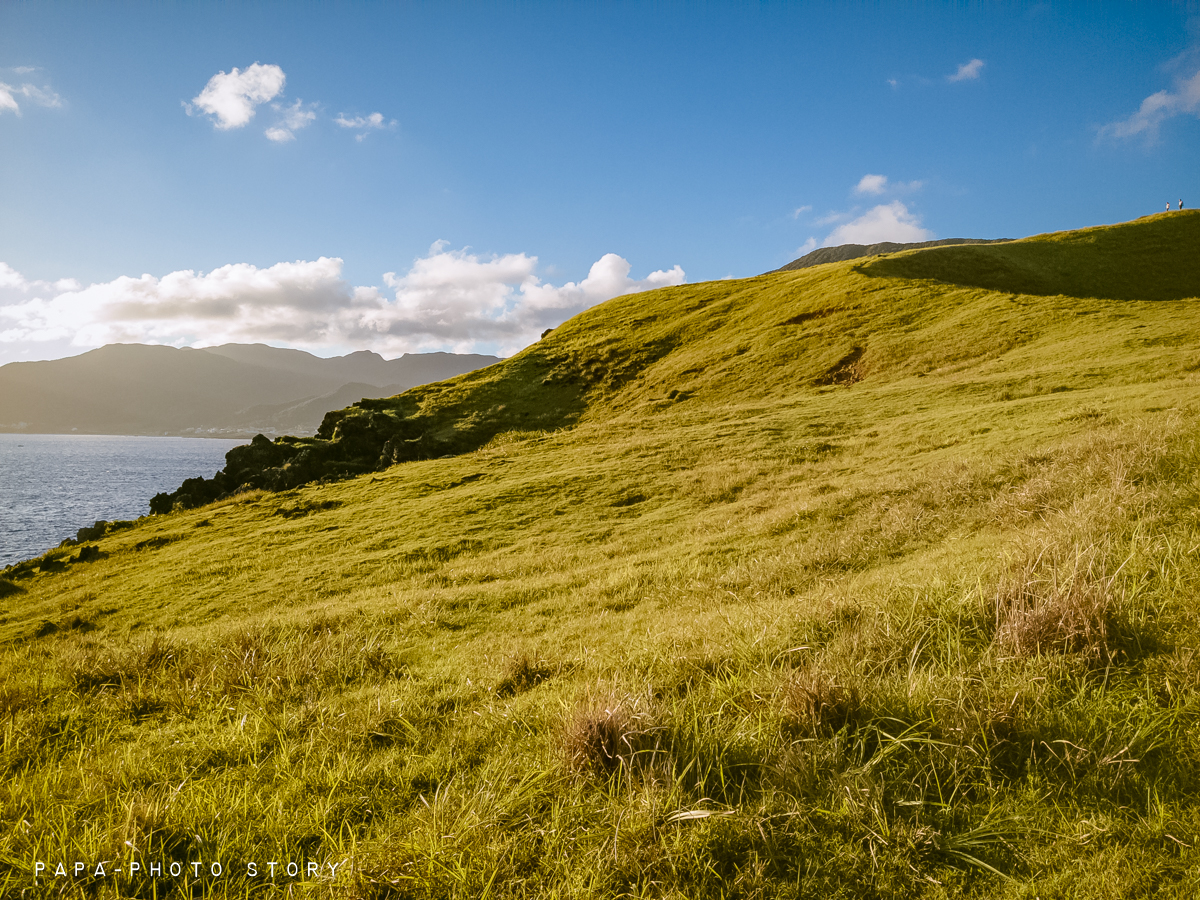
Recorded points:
41,96
231,98
448,299
871,184
886,222
16,289
365,124
291,119
457,298
182,307
883,222
1157,108
14,285
968,71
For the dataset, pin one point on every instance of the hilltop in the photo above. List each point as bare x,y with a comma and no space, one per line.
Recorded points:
227,391
874,578
843,252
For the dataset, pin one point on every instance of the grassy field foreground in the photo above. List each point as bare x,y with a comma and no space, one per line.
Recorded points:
875,579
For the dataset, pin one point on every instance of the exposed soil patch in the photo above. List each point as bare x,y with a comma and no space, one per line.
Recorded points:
155,542
846,370
809,316
304,509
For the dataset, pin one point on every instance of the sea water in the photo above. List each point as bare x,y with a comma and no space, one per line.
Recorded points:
51,485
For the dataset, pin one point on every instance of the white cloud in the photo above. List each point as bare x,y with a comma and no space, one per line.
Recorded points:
10,277
23,70
14,285
1156,108
179,308
374,120
42,96
883,222
456,298
801,210
834,216
886,222
452,300
871,184
365,124
292,119
231,98
968,71
875,185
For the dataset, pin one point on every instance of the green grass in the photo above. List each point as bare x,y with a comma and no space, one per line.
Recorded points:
875,579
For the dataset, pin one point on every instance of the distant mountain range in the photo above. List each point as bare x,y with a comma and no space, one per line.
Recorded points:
233,390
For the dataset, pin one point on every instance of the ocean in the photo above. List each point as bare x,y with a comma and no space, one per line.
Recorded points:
51,485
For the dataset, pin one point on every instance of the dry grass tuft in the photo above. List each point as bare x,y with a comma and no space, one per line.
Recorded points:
607,733
1057,604
92,666
817,701
522,673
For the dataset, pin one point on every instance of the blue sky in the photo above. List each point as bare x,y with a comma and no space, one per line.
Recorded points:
498,167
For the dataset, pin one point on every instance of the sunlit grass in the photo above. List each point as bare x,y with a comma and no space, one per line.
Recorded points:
928,630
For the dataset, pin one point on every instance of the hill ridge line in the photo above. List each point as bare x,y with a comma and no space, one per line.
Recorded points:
843,252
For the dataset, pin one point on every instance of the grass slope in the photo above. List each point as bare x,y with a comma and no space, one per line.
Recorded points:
873,579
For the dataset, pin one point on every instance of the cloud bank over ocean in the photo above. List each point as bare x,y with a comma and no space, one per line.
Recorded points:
447,300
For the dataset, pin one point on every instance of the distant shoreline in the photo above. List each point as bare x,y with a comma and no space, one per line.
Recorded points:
224,436
51,485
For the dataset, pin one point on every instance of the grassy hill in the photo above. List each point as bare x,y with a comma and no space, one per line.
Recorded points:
872,579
